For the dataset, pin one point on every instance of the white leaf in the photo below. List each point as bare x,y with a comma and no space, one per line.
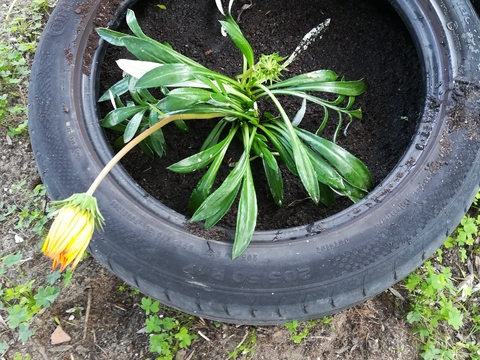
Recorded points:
219,6
300,114
137,68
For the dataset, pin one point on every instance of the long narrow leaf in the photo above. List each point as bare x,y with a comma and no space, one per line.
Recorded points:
224,205
214,135
116,116
133,25
215,201
352,169
302,161
133,126
283,147
247,215
171,74
274,175
156,140
120,88
348,88
318,76
233,30
203,158
111,36
204,186
326,174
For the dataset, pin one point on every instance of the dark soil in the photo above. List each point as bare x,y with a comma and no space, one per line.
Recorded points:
366,39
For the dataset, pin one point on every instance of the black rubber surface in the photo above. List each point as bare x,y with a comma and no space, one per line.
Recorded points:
298,273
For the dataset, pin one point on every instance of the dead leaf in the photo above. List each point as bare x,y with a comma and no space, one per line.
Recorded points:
59,336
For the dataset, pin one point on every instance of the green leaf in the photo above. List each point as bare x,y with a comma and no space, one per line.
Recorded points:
326,174
153,324
150,50
283,147
172,74
45,296
220,198
185,338
12,259
17,314
116,116
318,76
120,88
247,215
166,75
52,277
203,158
327,196
347,88
351,168
156,141
133,24
302,161
204,186
223,206
455,318
233,30
111,36
24,333
132,126
273,173
190,95
214,135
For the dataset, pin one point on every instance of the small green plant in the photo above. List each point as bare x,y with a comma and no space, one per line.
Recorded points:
464,236
30,215
444,312
22,301
193,92
168,335
246,347
300,331
21,31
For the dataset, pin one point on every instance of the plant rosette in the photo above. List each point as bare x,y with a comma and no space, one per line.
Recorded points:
193,92
298,273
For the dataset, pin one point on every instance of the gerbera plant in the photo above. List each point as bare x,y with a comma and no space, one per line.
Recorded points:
191,91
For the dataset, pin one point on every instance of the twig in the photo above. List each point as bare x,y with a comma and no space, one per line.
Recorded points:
101,349
243,340
87,313
189,357
203,335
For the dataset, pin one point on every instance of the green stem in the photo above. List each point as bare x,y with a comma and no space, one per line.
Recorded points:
141,137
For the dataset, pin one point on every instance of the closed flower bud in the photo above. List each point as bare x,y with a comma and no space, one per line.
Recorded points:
75,220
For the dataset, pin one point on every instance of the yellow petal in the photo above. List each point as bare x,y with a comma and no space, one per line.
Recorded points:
66,234
63,220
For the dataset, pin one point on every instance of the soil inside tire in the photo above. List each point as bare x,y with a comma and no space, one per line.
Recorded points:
366,39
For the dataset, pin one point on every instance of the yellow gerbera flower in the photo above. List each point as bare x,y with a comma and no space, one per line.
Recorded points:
70,233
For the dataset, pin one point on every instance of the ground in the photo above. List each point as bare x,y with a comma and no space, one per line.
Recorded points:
107,322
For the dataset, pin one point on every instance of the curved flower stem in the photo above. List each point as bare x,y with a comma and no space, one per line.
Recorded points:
141,137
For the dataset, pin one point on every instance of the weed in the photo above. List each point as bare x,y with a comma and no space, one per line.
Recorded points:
300,331
21,31
440,308
21,301
168,335
464,236
246,347
31,215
